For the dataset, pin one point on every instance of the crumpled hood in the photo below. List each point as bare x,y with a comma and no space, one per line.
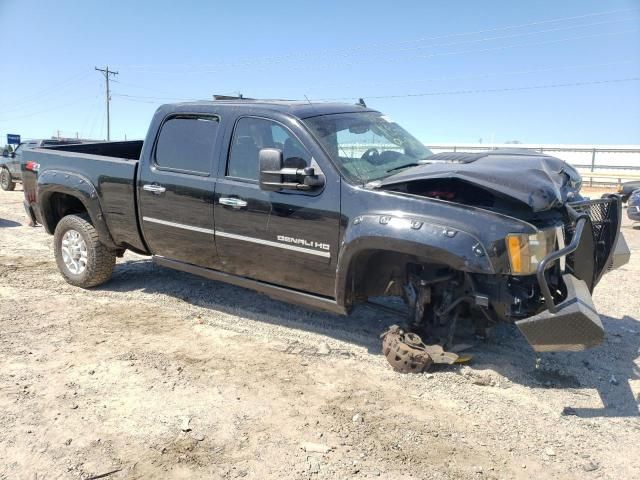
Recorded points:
540,181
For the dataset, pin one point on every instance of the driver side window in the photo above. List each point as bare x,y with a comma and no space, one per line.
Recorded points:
253,134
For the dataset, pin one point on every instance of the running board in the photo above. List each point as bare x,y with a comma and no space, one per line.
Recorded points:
273,291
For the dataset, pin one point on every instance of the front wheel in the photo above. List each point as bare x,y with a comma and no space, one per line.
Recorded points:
81,258
5,180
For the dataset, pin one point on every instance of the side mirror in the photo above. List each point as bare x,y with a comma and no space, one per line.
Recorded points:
12,154
273,172
271,162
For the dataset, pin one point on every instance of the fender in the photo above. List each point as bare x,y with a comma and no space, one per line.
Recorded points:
75,185
413,236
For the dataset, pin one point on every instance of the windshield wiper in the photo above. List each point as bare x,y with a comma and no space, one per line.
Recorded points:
406,165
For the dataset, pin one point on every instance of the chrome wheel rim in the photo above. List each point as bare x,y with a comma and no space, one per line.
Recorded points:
4,177
74,252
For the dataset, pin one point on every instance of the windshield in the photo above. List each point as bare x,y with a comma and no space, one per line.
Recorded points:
367,146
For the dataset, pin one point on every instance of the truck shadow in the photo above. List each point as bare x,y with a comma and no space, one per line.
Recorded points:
4,223
608,369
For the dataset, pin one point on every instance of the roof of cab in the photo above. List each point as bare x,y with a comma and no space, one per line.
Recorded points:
300,109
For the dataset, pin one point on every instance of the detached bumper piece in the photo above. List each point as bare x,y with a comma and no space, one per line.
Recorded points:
621,253
574,325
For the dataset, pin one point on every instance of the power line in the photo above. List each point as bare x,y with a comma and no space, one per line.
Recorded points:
376,46
486,90
143,87
99,115
44,111
486,74
400,58
512,35
106,73
90,112
36,96
135,100
472,51
179,99
141,98
424,94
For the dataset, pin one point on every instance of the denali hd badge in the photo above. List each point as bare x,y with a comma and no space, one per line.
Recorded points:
303,242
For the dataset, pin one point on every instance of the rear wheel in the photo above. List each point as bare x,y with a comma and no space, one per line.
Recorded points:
5,180
81,258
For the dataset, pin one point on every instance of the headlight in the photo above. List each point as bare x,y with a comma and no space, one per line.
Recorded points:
527,250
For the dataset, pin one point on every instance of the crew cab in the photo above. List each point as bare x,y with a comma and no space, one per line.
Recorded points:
328,205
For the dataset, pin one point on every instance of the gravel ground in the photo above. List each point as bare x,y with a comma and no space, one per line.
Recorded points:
159,374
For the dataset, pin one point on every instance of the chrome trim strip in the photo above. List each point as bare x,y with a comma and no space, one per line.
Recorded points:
274,244
179,225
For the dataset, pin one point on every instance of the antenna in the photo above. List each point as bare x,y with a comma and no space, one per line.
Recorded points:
361,103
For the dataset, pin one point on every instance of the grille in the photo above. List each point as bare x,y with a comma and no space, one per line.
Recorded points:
605,222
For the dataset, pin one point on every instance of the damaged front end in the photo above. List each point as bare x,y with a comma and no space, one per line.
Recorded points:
543,276
552,306
570,321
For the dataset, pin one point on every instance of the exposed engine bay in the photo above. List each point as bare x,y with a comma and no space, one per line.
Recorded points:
487,179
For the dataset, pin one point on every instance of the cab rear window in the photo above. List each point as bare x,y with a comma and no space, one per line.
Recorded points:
186,144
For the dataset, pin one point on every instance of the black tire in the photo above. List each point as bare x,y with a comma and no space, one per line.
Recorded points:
6,183
99,259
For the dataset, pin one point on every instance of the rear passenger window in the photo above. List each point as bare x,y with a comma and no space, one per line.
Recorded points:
253,134
186,144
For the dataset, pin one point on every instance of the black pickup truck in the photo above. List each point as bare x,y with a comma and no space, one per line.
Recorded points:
329,205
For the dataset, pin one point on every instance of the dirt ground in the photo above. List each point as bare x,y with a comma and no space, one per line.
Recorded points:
160,374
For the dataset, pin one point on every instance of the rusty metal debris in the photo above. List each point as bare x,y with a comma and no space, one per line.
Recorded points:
407,353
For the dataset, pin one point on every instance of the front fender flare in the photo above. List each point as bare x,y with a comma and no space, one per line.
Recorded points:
457,249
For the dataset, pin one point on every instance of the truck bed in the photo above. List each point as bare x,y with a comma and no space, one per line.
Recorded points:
123,150
110,167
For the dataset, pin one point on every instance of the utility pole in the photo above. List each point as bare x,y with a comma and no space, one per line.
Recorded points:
106,72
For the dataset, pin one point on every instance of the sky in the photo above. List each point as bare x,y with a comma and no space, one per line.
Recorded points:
447,70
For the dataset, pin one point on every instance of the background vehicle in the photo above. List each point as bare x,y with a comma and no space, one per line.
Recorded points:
327,205
627,188
633,206
10,171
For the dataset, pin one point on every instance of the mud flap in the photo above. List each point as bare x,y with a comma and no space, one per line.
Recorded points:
574,326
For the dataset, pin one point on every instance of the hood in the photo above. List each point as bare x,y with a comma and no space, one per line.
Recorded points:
540,181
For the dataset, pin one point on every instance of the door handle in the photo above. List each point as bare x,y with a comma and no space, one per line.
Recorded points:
155,189
233,202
